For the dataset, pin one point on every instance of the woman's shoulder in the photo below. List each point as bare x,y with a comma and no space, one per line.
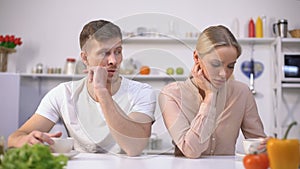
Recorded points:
135,85
237,86
179,88
175,86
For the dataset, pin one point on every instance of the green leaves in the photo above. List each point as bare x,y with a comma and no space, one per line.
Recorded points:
37,156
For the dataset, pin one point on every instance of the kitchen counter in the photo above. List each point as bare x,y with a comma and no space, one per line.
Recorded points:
111,161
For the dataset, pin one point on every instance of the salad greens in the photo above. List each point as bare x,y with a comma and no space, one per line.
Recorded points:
37,156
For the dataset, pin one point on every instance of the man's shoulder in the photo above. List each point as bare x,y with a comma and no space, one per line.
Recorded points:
68,86
135,84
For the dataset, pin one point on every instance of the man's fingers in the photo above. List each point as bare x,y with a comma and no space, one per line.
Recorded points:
58,134
40,137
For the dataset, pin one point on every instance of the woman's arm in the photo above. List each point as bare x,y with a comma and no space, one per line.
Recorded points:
252,126
192,138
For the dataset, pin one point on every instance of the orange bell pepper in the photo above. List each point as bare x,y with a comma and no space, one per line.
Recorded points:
284,154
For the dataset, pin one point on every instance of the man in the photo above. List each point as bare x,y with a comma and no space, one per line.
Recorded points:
103,111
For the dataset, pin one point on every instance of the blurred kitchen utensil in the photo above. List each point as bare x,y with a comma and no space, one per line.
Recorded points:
128,66
281,28
252,72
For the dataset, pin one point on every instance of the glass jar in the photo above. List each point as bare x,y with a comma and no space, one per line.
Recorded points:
70,66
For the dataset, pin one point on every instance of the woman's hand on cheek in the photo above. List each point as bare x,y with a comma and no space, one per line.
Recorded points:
201,81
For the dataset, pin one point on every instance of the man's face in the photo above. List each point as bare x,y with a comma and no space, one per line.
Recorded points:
106,54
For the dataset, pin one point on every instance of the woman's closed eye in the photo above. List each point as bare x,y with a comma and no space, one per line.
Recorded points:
231,65
216,63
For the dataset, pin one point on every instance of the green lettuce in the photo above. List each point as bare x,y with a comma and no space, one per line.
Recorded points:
37,156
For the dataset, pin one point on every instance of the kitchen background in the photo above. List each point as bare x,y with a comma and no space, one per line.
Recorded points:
50,30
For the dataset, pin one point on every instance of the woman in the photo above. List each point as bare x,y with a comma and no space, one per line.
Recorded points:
205,113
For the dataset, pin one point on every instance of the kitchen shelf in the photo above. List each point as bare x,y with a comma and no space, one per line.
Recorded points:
290,40
133,77
156,77
194,40
285,102
158,40
44,75
256,40
290,85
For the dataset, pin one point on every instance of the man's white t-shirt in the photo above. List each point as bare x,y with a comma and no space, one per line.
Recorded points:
71,104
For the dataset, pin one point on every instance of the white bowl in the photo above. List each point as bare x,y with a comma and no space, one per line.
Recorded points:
250,145
62,145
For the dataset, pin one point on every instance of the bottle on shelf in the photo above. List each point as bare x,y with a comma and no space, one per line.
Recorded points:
265,26
251,29
259,28
70,66
235,27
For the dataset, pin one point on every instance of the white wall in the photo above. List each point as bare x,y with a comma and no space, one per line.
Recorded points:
9,103
50,29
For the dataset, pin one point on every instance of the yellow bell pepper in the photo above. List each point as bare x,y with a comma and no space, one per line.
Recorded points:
284,154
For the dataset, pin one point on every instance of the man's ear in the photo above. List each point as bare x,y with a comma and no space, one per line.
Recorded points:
196,57
83,56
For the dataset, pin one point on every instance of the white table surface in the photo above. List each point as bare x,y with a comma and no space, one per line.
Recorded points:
110,161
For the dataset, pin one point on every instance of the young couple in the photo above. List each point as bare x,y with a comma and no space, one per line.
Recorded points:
105,112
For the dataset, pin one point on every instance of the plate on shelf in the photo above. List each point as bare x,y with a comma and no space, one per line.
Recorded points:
70,154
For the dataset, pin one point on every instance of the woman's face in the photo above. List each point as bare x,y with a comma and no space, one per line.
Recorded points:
218,65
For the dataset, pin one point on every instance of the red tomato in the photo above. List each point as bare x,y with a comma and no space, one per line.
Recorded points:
256,161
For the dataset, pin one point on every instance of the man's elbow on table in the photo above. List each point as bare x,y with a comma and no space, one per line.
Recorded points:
135,151
135,147
193,156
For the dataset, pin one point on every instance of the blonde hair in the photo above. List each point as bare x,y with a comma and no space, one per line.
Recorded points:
216,36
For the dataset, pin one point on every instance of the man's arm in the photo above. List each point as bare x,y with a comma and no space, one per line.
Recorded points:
130,132
34,131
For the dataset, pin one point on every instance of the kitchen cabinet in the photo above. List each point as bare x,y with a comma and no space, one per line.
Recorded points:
286,93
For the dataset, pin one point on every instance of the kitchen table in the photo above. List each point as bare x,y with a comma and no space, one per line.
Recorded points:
111,161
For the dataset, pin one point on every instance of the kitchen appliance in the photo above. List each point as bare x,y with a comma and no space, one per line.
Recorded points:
291,67
281,28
